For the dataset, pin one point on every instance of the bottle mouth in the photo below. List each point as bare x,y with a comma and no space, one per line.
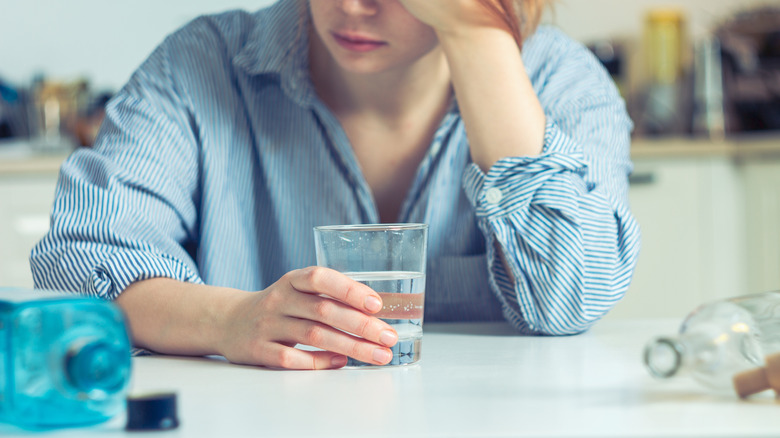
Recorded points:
97,366
663,357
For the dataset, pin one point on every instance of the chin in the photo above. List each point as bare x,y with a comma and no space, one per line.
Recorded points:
364,66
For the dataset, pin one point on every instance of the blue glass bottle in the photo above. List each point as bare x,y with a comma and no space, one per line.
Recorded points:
64,359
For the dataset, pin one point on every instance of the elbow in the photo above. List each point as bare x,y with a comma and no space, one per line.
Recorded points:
561,309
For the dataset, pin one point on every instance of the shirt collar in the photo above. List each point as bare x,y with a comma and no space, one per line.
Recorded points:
278,44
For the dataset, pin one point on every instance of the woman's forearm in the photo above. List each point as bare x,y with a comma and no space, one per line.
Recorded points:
174,317
314,306
500,109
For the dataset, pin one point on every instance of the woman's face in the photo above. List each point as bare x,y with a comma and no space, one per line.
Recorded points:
371,36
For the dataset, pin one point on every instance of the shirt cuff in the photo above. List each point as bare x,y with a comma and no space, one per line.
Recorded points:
114,274
512,182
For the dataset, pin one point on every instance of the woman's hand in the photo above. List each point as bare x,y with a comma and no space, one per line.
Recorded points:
456,16
315,307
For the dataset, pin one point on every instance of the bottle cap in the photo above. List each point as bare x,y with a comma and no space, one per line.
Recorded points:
152,412
760,379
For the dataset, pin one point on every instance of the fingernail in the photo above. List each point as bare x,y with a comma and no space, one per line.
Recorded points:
338,361
373,304
388,338
382,356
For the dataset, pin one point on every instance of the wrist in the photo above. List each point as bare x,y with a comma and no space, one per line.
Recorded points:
473,35
224,316
476,41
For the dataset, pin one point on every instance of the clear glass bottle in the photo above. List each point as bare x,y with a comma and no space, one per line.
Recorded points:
719,340
64,359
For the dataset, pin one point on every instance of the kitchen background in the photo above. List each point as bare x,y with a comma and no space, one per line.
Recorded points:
701,78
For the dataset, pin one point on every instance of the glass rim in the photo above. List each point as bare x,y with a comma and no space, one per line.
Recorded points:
372,227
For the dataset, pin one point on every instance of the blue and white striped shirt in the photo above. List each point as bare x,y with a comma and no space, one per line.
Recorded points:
217,159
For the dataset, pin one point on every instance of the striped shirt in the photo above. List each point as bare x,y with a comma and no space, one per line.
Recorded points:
217,159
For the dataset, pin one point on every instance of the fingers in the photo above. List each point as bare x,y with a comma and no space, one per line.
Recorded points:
327,338
336,285
281,356
318,307
340,316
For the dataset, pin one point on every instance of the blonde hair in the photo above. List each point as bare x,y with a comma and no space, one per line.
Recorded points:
521,16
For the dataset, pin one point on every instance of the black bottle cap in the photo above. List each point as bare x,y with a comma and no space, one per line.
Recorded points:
152,412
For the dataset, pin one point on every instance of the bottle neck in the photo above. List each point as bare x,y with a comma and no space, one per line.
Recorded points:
669,356
664,357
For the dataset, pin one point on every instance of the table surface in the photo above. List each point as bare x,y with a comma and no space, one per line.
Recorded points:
474,380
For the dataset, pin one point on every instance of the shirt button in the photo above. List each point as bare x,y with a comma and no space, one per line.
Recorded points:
435,148
494,195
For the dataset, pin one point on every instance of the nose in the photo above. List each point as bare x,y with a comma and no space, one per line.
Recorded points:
359,7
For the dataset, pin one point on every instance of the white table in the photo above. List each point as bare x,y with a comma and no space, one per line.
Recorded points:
475,380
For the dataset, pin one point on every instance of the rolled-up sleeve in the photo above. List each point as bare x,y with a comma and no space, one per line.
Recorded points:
561,241
126,209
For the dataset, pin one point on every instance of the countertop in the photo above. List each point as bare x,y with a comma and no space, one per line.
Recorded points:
17,157
474,380
738,148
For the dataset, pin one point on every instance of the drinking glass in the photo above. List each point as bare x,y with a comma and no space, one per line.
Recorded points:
390,259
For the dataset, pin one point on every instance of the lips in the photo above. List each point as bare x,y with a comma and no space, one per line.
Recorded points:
357,42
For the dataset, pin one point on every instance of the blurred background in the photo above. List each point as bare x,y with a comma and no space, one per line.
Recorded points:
701,79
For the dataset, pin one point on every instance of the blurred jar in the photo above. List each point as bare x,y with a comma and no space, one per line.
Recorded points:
611,54
750,49
56,106
665,109
664,41
87,125
708,104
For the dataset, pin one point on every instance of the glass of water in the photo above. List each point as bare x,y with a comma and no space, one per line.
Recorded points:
390,259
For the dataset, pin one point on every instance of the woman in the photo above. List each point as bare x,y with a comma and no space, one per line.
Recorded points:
243,131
